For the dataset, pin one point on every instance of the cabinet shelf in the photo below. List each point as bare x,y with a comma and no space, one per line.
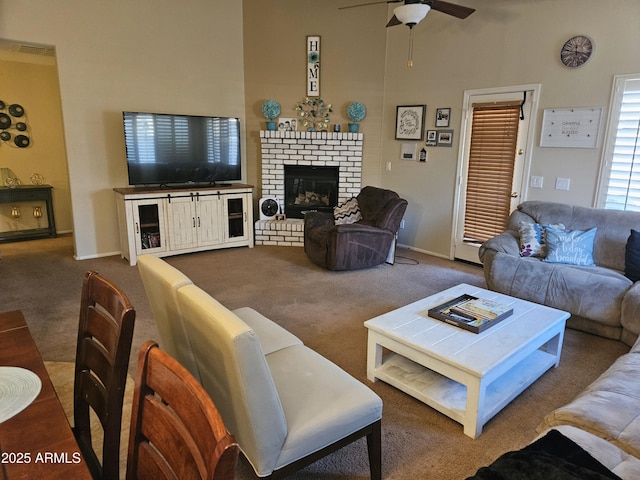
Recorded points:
25,197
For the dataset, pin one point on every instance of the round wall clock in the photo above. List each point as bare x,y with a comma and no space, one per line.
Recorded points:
576,51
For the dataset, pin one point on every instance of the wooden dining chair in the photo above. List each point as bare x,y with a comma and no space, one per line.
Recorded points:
176,430
105,333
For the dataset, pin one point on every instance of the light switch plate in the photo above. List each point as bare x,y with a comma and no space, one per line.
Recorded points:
536,182
563,183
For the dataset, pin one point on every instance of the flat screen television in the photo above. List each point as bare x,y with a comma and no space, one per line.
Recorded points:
172,150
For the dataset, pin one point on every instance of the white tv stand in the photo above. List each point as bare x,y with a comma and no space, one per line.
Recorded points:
172,221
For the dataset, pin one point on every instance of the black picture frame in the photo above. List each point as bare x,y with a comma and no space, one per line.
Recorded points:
443,117
445,138
410,122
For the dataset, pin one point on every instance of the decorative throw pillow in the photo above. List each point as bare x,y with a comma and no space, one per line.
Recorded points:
533,238
347,212
574,247
632,257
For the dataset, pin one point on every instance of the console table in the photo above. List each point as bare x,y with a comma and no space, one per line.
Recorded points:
33,196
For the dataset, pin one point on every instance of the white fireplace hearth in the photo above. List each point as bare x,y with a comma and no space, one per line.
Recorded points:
338,149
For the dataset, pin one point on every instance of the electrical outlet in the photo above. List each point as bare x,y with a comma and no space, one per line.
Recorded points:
388,166
402,223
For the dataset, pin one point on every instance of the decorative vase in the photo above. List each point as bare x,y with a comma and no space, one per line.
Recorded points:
353,127
271,126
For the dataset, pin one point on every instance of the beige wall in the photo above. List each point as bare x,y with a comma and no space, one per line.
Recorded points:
502,43
160,55
352,67
35,87
188,57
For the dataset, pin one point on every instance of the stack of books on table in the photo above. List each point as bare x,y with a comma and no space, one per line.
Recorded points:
471,313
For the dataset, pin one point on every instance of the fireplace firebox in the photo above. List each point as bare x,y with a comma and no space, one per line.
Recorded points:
309,188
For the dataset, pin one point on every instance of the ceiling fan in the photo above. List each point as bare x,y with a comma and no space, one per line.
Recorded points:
413,11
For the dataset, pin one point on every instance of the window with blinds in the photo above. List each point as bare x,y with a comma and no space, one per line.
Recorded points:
494,135
623,188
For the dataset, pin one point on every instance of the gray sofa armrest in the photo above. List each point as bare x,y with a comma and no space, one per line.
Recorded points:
630,319
507,242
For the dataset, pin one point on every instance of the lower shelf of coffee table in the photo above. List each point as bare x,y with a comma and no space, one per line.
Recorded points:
450,397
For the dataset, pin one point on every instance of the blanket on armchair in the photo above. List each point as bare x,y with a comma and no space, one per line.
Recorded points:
552,457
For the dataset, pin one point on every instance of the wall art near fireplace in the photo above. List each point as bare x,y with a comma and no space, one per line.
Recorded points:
313,66
14,130
410,122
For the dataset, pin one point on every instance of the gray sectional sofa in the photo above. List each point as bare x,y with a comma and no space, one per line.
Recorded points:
605,418
600,298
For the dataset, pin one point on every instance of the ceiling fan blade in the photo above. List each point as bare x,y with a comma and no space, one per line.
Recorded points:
393,22
369,3
458,11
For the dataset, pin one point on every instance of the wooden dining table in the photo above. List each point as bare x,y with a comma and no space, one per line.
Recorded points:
37,443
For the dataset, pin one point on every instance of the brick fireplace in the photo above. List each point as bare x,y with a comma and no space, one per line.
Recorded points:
315,149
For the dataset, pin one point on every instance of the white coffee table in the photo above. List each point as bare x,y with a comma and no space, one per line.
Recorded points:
467,376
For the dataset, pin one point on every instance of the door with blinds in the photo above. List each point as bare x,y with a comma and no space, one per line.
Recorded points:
494,157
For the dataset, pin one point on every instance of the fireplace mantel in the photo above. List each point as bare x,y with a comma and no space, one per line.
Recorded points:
279,148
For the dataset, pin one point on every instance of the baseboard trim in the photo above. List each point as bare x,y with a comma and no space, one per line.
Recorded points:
426,252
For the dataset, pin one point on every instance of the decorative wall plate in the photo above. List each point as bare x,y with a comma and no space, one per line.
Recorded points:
22,141
16,110
5,121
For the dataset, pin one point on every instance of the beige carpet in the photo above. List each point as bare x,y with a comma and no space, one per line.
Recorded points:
326,310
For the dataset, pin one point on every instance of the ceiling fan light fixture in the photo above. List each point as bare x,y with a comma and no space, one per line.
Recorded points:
411,14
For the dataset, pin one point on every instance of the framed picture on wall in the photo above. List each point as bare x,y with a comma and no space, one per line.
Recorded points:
443,116
410,122
445,138
432,137
287,124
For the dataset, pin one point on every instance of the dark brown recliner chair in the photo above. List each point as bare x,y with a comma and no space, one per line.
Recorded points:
363,244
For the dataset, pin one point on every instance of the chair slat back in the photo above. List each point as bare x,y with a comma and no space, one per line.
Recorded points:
105,332
176,430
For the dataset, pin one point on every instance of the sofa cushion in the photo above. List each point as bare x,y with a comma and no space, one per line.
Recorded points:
632,256
589,292
608,408
574,247
347,212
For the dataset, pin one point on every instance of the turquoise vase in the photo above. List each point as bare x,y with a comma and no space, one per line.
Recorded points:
353,127
271,126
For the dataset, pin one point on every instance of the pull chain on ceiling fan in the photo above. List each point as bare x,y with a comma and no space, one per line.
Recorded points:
414,11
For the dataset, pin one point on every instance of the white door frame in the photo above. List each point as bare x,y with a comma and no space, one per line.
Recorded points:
467,111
